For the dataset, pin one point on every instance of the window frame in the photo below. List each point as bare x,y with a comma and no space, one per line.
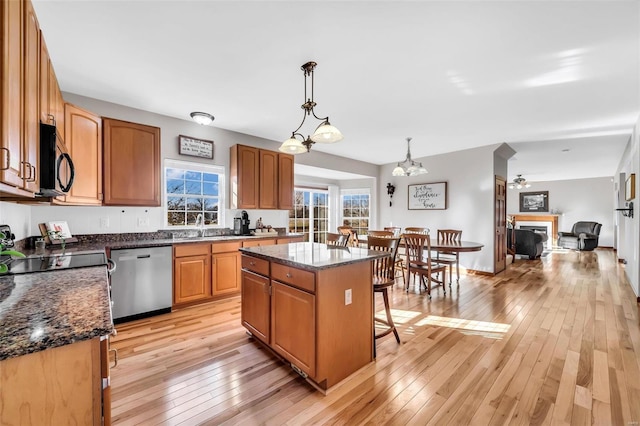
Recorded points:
355,191
195,167
311,218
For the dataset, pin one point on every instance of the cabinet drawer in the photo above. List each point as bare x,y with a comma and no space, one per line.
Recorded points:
296,277
182,250
258,243
225,247
259,266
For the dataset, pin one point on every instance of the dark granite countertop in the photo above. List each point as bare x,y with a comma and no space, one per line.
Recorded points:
50,309
313,256
45,310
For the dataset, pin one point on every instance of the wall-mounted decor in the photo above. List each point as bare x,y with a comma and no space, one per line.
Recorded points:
428,196
630,187
534,201
195,147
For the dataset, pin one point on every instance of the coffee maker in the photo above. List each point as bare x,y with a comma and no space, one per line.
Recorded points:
241,224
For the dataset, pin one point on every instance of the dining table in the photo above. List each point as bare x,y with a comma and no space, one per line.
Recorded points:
455,246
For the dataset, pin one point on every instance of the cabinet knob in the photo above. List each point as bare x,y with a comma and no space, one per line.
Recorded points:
289,275
252,263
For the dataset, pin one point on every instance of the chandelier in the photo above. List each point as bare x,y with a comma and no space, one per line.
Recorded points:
324,133
519,183
409,167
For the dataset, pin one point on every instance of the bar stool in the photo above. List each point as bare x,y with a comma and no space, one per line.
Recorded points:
383,278
337,239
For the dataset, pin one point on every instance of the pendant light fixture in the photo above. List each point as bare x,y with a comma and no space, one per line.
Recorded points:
519,183
202,118
324,133
409,167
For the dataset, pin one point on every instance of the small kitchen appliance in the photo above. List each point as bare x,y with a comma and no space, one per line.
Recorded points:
241,224
56,168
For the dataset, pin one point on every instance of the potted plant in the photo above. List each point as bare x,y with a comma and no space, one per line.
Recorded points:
3,267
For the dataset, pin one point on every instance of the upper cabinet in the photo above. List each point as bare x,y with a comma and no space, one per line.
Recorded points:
260,179
83,138
19,129
51,102
131,164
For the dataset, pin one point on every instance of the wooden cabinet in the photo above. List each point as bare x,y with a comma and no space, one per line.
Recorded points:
297,343
256,298
19,94
290,240
83,137
51,101
131,154
62,385
191,273
257,180
226,266
259,242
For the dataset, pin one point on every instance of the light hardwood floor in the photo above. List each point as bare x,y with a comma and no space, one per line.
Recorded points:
550,341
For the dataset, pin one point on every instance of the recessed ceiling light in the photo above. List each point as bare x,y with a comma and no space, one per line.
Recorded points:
566,150
202,118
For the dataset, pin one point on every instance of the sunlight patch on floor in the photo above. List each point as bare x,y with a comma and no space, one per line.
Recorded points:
399,316
492,330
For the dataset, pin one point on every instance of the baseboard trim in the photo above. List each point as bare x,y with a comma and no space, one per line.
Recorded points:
475,272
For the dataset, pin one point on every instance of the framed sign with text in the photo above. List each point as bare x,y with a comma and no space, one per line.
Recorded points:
428,196
195,147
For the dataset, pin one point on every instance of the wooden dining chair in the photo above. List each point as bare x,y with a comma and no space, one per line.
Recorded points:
337,239
450,257
395,229
416,230
383,278
397,232
374,233
351,233
419,262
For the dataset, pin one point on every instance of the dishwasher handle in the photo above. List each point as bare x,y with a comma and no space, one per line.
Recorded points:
144,256
111,266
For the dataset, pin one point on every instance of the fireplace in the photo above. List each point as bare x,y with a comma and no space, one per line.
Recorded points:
542,229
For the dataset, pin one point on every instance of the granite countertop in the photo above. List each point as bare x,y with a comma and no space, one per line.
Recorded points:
50,309
313,256
45,310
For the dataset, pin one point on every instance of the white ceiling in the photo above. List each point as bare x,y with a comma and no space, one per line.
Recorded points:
540,75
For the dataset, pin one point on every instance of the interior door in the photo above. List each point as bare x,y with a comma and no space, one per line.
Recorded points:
500,243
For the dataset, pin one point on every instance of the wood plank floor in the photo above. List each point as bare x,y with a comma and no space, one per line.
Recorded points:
551,341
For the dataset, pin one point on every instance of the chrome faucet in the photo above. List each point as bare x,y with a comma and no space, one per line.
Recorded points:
200,224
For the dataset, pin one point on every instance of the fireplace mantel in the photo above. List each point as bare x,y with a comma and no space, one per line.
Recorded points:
553,218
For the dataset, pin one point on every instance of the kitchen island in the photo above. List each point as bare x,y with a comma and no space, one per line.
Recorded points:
53,351
312,304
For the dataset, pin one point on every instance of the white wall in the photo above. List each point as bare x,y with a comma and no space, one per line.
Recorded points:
577,200
18,217
628,237
470,185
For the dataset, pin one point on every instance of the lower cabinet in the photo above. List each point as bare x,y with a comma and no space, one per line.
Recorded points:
205,271
293,326
256,303
62,385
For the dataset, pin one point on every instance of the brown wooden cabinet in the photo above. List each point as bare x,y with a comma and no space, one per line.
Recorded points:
290,305
257,180
191,273
19,93
61,385
259,242
226,267
256,297
131,164
51,101
83,137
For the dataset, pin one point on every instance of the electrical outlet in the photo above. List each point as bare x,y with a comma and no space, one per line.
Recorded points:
347,296
104,222
143,222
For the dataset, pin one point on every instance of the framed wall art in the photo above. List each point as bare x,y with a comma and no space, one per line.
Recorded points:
630,187
428,196
534,201
195,147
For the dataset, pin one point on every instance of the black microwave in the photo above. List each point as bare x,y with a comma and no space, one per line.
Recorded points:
56,168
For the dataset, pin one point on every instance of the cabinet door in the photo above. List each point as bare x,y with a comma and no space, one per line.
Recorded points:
191,279
259,243
268,179
131,154
226,273
31,141
293,326
244,167
45,64
83,137
256,304
11,92
285,181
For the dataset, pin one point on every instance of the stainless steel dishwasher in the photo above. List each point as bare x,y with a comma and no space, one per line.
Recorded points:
142,284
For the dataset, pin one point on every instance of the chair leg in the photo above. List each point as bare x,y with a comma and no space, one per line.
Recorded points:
458,271
387,308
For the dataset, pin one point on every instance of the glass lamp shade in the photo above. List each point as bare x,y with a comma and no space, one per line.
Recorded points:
292,146
202,118
398,171
422,170
326,133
